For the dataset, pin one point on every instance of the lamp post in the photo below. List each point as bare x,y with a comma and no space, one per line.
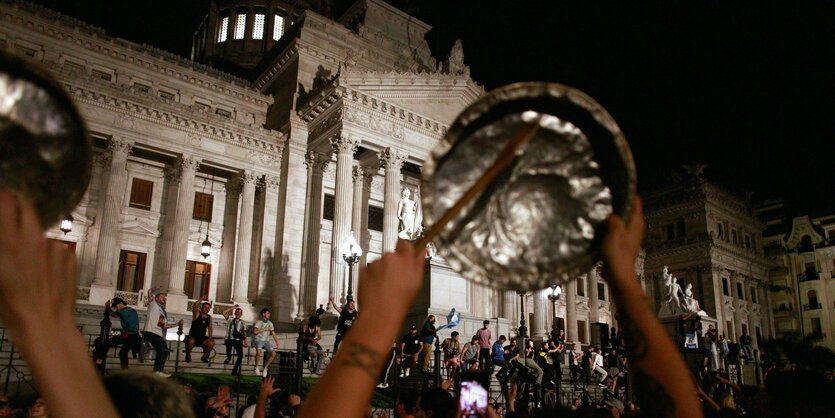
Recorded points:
351,253
522,334
556,291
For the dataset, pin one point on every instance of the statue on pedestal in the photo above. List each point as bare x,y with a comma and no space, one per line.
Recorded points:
690,302
678,301
406,214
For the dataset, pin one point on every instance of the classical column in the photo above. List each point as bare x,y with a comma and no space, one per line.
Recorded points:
182,225
230,231
365,237
270,260
108,245
357,174
594,301
540,326
168,208
308,290
571,311
509,305
391,160
344,147
243,248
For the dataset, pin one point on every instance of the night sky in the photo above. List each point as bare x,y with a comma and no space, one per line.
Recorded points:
746,88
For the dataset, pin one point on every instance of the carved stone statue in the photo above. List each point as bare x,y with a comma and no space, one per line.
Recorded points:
690,302
672,304
406,214
454,63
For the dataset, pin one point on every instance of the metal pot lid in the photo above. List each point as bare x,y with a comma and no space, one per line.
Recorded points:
45,150
540,222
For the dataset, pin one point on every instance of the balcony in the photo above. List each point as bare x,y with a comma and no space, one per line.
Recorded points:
809,276
784,308
811,307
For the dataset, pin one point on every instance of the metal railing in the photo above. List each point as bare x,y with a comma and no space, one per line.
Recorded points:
810,306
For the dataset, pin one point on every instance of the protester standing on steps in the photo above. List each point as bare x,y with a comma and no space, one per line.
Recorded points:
129,338
235,329
409,348
347,316
154,331
484,342
200,333
427,334
263,330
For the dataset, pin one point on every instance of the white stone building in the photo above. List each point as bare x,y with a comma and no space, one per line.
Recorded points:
333,121
803,279
712,239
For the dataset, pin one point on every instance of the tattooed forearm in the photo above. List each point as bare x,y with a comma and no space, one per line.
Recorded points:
362,357
634,339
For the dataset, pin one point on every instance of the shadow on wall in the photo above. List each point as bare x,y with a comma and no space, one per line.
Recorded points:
322,78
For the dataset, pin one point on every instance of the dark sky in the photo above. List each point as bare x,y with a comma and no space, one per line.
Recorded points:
747,88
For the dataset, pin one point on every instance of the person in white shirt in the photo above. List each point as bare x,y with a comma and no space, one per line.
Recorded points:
597,366
263,331
154,331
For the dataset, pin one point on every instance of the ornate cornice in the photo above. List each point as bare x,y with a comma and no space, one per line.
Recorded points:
181,120
67,29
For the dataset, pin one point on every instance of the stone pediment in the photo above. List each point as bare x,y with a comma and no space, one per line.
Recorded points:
437,95
140,226
802,226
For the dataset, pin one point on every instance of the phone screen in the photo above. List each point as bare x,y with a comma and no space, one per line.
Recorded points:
473,394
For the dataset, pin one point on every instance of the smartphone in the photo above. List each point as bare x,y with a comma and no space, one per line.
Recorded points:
473,394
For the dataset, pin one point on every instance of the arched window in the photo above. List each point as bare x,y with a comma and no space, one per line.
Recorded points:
734,237
813,299
681,228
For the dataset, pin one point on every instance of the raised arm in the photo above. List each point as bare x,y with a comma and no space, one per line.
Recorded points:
393,283
663,382
195,309
228,312
32,268
335,306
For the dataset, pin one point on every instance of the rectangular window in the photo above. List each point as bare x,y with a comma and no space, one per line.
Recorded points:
103,75
201,107
375,218
198,278
142,88
223,31
141,192
223,113
29,52
601,291
73,66
328,207
240,26
164,95
581,287
131,271
740,293
753,294
258,27
725,290
278,27
730,331
203,203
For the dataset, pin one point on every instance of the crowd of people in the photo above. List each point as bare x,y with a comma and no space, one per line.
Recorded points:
32,268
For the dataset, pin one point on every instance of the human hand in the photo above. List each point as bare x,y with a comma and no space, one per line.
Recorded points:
393,281
622,242
267,388
32,268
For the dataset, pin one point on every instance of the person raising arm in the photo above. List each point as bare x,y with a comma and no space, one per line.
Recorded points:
661,378
359,361
35,269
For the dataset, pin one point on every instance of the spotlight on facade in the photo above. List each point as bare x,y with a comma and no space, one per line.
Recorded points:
66,224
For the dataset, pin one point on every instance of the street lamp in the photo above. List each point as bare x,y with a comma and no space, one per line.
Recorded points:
66,224
351,253
206,246
556,291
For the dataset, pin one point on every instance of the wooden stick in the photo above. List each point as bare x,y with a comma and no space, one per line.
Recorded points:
520,138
